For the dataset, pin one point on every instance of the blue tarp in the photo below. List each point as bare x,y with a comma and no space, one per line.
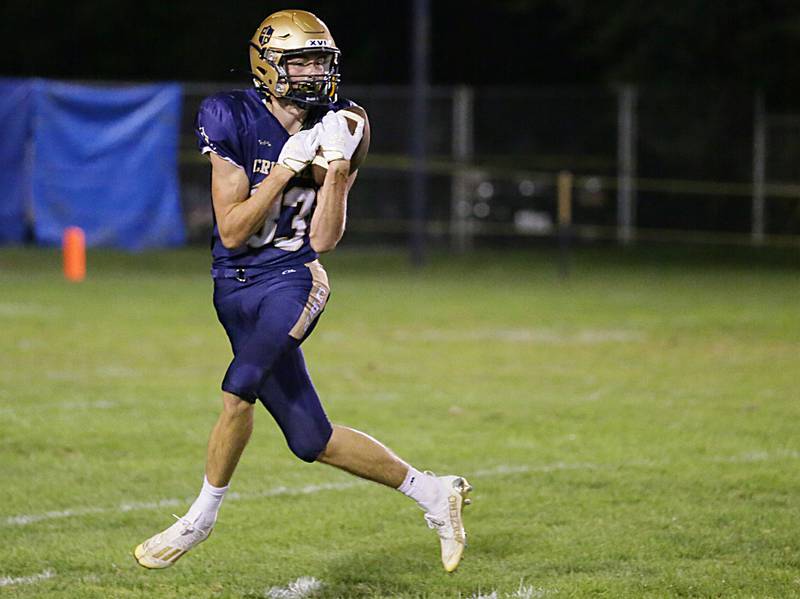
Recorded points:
106,160
15,123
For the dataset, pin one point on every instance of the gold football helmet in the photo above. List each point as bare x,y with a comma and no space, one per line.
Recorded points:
286,34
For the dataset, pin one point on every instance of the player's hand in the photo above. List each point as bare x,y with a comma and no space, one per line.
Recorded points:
300,149
336,140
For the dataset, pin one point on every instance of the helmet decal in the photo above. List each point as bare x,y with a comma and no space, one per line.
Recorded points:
266,34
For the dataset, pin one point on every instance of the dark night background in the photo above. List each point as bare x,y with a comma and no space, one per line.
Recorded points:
744,43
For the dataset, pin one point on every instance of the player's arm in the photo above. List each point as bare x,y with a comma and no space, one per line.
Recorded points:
240,214
328,222
338,144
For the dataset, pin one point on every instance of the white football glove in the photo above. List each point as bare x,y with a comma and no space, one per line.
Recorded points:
335,140
300,149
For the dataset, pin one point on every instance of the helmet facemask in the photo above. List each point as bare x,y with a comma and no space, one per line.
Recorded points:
314,89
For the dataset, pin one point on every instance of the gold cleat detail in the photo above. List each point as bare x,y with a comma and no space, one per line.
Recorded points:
449,524
166,548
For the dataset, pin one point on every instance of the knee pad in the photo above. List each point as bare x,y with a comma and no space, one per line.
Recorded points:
288,394
243,380
308,444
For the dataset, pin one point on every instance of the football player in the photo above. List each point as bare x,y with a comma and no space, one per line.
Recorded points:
284,155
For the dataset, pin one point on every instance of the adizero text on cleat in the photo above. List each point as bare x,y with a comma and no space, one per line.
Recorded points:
447,520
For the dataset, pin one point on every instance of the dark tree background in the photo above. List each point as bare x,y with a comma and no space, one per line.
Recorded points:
739,43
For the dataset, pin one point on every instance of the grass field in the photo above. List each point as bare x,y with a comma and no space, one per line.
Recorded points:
630,432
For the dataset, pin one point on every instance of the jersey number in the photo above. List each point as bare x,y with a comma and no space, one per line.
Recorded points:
297,196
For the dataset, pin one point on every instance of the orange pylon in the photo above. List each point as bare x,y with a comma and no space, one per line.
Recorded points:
74,254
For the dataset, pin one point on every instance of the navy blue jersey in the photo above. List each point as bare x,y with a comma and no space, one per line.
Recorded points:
238,127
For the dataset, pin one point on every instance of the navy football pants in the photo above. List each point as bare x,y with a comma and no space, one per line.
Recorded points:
267,315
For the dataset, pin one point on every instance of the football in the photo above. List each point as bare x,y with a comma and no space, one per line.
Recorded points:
319,167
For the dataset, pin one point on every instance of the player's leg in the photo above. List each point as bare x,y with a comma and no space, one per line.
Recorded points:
225,446
238,306
264,319
441,497
364,456
290,397
228,439
226,443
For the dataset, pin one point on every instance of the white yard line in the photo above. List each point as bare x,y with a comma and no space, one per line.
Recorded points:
499,470
525,468
15,310
7,581
25,519
97,404
297,589
523,335
757,456
523,592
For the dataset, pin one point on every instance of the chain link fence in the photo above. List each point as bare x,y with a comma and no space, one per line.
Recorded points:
705,165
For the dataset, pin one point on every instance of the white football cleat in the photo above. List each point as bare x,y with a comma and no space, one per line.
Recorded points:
165,548
448,522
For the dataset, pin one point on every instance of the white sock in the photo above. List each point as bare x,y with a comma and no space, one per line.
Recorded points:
422,488
206,506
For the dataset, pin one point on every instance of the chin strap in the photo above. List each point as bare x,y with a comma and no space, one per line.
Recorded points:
265,94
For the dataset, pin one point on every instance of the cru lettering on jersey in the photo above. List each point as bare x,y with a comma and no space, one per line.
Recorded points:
262,166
